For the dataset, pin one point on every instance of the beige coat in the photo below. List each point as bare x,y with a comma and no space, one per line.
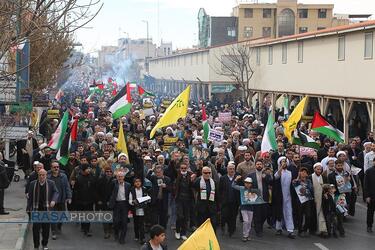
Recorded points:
317,184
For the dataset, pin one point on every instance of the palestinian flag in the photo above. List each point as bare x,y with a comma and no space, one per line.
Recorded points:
319,124
302,139
58,136
71,135
206,126
142,91
269,136
121,104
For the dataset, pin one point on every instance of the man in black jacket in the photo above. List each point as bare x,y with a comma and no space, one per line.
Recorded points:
161,187
85,194
229,200
119,202
369,195
262,180
42,195
4,183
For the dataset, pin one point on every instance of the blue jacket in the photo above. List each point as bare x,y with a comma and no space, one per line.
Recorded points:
53,194
65,187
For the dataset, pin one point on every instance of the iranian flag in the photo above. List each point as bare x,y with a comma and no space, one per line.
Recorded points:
206,126
71,135
142,91
121,104
269,136
58,136
320,124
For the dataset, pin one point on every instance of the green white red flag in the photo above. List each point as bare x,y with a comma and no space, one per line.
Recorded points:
269,136
206,125
58,136
321,125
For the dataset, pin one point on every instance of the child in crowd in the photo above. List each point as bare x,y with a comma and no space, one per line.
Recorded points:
246,209
138,191
329,209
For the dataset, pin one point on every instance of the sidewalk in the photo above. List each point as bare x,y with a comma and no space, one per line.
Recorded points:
12,232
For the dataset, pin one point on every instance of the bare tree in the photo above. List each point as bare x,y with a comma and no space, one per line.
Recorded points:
235,63
35,20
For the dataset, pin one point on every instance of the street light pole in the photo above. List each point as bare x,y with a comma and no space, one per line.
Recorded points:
148,45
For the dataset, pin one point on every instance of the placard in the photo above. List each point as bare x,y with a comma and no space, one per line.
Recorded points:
225,116
14,133
168,142
303,193
251,197
215,135
343,183
53,114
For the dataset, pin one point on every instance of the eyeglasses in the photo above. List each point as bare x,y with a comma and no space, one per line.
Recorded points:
108,171
206,172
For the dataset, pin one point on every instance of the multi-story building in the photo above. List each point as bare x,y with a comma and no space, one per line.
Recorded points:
334,67
283,18
165,49
137,48
216,30
107,55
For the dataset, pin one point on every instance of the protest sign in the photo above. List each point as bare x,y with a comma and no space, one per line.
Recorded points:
168,142
215,135
251,197
225,116
343,184
303,193
355,170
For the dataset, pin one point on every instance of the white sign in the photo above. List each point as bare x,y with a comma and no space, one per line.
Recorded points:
14,133
225,116
216,135
148,112
8,88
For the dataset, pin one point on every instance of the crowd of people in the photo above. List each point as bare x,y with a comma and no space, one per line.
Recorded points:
190,180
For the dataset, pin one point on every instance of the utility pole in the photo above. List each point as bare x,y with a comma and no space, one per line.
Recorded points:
148,46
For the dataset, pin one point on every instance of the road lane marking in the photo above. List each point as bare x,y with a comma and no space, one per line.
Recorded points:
321,246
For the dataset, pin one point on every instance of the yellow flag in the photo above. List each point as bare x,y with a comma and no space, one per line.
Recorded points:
176,110
203,238
121,143
291,124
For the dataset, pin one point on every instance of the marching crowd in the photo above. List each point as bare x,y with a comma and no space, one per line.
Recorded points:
190,180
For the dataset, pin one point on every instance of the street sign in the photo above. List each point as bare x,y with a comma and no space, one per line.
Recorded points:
14,133
8,90
222,88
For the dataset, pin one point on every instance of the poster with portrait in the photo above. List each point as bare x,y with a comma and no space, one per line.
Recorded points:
303,193
251,197
343,183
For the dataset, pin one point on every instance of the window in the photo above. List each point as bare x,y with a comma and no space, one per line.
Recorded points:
270,55
231,31
267,13
300,51
266,31
322,13
341,48
369,43
248,31
321,28
258,56
302,30
286,23
248,13
303,13
284,53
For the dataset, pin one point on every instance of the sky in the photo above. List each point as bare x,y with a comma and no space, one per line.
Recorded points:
178,21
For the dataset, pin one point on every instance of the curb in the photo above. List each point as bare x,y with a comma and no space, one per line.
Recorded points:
20,244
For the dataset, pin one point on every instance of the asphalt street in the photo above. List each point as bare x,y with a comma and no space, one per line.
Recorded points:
356,238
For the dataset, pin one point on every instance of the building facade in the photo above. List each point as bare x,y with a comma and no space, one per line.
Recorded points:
283,18
216,30
333,67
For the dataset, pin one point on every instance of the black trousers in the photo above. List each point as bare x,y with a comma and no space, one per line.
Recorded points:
370,212
36,234
183,214
160,213
57,226
2,191
351,199
260,216
304,214
229,213
331,223
120,219
202,216
139,227
340,223
85,207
